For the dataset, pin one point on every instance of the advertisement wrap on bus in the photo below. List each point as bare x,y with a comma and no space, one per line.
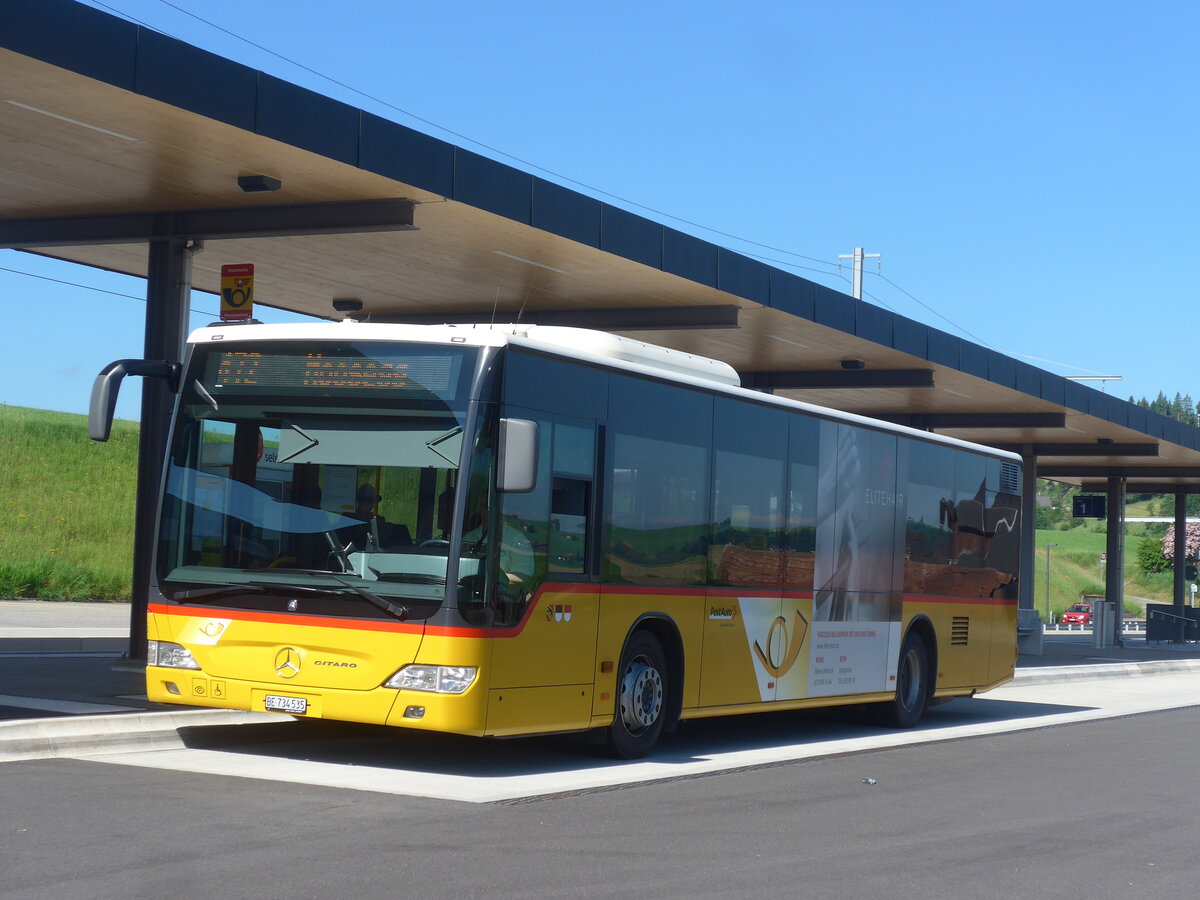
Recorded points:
507,530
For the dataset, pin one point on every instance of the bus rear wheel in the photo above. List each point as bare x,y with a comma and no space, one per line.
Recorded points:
641,698
912,685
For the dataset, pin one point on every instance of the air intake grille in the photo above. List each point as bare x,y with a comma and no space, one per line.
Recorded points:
1010,478
960,631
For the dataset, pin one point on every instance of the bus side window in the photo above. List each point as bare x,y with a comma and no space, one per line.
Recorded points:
570,500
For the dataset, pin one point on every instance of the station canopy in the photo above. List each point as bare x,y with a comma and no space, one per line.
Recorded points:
114,135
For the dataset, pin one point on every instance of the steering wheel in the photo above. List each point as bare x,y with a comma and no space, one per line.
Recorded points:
432,543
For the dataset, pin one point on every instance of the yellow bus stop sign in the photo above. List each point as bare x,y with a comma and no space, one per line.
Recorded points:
237,292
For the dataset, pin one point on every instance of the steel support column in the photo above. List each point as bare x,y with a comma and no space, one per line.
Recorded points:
1114,568
168,290
1180,561
1029,623
1028,553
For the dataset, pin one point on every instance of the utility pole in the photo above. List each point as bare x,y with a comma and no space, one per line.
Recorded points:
858,256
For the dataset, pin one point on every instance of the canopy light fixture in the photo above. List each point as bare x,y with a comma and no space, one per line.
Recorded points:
347,304
853,364
259,184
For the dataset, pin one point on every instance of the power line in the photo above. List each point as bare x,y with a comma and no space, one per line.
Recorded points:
496,150
976,338
88,287
464,137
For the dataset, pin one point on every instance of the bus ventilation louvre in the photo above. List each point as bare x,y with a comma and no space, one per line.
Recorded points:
1010,479
960,631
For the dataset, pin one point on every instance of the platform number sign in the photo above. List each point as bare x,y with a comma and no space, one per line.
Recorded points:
237,292
1089,506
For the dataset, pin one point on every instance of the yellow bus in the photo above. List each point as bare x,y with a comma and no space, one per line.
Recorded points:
513,530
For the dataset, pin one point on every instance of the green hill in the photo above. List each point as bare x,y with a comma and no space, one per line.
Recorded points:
66,507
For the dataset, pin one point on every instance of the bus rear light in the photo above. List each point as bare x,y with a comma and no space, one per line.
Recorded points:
170,656
435,679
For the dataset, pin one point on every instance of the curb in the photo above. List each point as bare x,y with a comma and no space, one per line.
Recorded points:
63,640
1059,674
93,735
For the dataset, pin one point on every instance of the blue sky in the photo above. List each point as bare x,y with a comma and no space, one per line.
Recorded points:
1027,170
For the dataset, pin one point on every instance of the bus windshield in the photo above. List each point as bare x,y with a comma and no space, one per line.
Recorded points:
331,467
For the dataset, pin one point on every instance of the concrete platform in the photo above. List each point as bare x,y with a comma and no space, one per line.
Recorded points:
62,661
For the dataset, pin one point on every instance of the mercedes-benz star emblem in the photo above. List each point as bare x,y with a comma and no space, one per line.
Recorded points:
287,662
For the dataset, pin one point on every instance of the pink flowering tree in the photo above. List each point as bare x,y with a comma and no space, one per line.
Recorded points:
1191,547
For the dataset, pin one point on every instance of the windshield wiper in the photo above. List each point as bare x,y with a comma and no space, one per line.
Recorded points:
399,610
224,590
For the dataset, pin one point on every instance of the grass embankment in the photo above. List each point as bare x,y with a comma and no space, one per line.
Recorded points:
66,507
1075,569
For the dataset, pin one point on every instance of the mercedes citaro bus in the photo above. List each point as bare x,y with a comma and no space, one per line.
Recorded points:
501,530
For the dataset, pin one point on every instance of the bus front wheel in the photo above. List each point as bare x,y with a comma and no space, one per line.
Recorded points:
641,697
912,685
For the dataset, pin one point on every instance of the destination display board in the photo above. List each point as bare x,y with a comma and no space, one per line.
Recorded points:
332,371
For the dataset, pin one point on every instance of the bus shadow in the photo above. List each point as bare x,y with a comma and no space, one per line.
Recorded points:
696,741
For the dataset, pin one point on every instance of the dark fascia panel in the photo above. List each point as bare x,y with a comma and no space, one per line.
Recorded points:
1137,417
1076,395
1028,379
1166,428
75,37
792,294
874,324
189,78
689,257
1097,404
833,309
1002,370
944,349
566,213
1054,387
910,337
395,151
487,184
973,359
1118,411
631,236
744,277
306,119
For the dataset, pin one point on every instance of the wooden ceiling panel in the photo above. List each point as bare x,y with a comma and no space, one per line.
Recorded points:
71,145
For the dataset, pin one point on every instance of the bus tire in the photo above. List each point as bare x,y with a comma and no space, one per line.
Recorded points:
642,692
912,685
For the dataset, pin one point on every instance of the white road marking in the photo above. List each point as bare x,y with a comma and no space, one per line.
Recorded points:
473,783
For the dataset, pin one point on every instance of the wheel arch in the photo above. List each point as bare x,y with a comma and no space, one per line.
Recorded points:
664,629
923,626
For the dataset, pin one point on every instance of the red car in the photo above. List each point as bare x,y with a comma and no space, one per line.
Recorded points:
1078,614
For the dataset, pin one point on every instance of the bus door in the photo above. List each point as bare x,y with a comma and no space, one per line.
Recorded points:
543,657
750,642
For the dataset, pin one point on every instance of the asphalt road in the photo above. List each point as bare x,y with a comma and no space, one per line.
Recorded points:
1092,810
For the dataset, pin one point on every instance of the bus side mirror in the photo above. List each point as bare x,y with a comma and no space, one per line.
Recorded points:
108,384
518,458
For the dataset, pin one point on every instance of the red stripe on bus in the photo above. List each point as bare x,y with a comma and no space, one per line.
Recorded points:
966,601
244,615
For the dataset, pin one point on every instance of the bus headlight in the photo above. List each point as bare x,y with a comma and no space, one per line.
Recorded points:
436,679
171,656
